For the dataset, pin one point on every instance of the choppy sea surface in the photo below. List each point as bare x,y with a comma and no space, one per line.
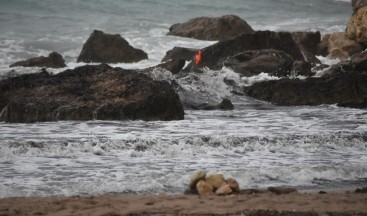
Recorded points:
259,144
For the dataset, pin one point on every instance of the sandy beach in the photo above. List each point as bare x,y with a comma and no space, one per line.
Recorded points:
336,203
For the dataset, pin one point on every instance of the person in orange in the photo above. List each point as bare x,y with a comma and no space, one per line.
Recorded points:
198,57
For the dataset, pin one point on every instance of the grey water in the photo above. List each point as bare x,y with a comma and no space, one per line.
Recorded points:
259,144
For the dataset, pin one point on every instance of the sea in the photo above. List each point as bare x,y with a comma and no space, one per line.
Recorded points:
259,144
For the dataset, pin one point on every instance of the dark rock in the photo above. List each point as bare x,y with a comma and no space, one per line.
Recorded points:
86,93
323,46
53,60
226,104
174,66
107,48
308,40
282,190
213,56
254,62
211,28
302,68
344,88
322,192
359,61
180,53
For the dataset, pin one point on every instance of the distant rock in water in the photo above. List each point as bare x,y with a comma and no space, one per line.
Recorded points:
86,93
107,48
211,28
53,60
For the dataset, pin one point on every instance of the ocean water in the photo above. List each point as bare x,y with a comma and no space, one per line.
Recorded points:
259,144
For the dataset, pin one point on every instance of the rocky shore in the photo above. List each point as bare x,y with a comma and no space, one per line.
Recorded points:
102,92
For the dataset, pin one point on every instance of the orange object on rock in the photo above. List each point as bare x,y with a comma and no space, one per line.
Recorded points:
198,57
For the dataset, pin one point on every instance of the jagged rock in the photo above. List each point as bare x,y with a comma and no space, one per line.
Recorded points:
180,53
204,188
224,190
359,61
211,28
341,47
357,26
308,40
215,180
254,62
87,93
345,88
53,60
282,190
233,184
213,56
323,46
302,68
196,178
357,4
107,48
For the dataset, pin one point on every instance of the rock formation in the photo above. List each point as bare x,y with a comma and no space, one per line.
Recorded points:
86,93
211,28
53,60
107,48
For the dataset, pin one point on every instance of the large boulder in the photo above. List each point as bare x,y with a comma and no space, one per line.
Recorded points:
211,28
87,93
180,53
53,60
357,4
308,40
340,46
357,26
323,46
345,88
254,62
107,48
214,56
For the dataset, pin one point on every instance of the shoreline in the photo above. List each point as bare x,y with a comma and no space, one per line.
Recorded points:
298,203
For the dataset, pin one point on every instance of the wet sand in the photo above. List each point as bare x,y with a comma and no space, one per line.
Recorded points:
341,203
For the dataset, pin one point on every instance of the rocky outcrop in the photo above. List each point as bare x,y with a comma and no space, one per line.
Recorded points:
107,48
53,60
357,26
308,40
87,93
254,62
357,4
180,53
211,28
341,47
215,55
213,184
344,87
359,61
